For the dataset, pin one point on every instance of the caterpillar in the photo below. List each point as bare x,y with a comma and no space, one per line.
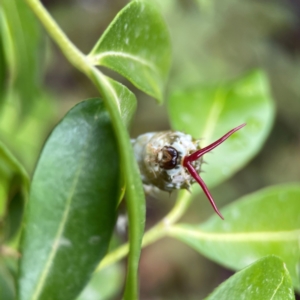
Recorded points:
172,160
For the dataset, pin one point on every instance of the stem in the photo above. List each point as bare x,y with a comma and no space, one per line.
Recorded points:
183,202
155,233
134,192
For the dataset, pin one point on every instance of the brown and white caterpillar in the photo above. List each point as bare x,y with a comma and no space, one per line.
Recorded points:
172,160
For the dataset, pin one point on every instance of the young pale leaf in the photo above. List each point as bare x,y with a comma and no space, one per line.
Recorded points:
24,39
266,279
126,99
137,45
208,112
263,223
72,208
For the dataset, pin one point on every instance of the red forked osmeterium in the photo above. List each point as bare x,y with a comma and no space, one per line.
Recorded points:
187,163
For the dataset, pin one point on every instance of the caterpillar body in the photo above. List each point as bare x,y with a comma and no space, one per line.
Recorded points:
172,160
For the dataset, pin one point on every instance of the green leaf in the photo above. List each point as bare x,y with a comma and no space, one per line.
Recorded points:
127,101
208,112
263,223
23,40
72,209
266,279
104,284
137,45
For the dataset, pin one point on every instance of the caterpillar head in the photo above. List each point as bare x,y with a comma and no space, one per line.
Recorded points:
172,160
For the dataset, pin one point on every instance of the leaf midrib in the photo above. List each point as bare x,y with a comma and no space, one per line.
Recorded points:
97,58
178,231
61,227
214,114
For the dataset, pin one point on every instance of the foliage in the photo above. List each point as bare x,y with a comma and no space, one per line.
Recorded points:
267,278
87,163
223,107
240,240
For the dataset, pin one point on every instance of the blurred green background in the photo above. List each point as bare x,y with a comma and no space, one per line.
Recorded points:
213,42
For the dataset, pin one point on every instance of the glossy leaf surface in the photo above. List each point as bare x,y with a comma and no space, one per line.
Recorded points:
137,45
263,223
266,279
208,112
72,208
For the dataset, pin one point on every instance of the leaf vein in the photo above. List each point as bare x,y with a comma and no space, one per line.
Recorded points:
238,237
277,288
142,61
61,227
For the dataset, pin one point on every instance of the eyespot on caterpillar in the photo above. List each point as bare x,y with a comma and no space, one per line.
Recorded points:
171,160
